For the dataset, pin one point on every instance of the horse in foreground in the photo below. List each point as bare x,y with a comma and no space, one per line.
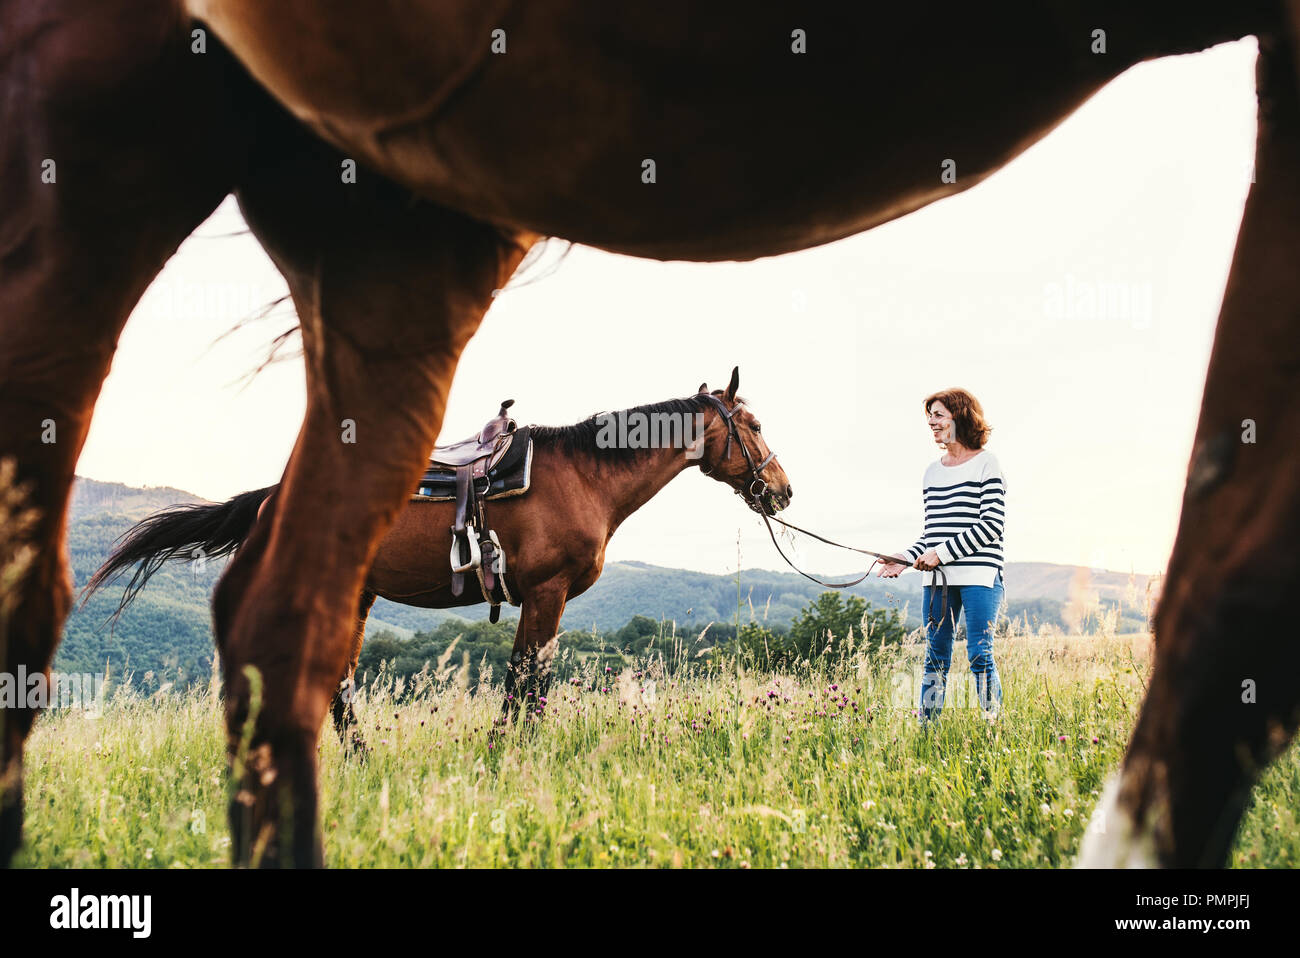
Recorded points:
397,161
553,534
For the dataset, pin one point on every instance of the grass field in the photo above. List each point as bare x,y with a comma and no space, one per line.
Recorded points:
720,765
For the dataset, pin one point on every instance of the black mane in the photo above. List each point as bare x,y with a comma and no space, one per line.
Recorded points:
581,437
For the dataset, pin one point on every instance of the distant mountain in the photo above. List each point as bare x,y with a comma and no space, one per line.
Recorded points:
90,497
1040,591
690,598
167,629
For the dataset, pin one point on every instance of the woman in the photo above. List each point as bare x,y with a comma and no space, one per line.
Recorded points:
963,494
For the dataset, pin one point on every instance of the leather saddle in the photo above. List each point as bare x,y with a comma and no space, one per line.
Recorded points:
494,463
491,440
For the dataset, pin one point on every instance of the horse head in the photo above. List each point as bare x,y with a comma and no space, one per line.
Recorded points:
732,450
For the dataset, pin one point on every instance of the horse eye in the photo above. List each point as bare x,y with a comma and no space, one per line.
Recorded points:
758,427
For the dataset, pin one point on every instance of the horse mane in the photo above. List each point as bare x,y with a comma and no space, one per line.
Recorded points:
581,437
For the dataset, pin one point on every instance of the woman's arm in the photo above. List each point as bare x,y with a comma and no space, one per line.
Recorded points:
914,552
891,570
918,547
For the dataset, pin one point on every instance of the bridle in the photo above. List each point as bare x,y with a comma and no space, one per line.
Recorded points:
753,494
752,498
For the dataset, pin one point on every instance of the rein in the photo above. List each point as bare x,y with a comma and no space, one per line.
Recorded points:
753,498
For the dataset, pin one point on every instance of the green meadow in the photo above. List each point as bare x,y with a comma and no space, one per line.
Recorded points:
673,761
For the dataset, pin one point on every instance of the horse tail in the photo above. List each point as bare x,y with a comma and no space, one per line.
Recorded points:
207,530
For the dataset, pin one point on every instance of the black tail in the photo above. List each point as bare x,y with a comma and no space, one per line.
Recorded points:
185,532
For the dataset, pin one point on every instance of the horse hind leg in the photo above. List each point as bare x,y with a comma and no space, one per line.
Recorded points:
345,718
1224,697
388,291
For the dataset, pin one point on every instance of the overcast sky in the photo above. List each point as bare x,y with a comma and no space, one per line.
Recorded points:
1074,293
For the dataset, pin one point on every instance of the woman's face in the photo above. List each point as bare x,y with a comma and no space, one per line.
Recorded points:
942,426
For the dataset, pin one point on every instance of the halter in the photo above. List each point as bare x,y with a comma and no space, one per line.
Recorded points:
753,499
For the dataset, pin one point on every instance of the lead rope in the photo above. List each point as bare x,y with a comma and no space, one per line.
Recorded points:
878,557
754,500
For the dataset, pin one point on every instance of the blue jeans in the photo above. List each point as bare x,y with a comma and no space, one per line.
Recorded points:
982,604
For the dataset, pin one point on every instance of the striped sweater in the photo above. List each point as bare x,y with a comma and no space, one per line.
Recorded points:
964,510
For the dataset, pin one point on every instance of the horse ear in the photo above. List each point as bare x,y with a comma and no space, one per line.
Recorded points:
734,384
704,387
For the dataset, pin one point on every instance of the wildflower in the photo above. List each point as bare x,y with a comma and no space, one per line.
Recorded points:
1068,813
961,860
997,854
1045,808
1094,740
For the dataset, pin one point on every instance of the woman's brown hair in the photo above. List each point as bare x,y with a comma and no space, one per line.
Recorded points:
967,415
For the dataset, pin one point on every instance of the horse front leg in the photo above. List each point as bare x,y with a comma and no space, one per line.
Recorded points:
98,194
528,676
1224,695
388,292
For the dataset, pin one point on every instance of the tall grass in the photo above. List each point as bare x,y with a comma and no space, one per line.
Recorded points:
678,761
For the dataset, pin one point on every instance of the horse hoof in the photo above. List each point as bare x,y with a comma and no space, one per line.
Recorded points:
356,747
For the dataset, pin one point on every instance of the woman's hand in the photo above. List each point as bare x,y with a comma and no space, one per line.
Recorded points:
891,570
928,562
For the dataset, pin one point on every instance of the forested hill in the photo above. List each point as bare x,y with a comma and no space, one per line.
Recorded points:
1043,592
626,589
167,628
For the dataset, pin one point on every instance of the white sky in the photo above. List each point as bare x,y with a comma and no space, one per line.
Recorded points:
1138,197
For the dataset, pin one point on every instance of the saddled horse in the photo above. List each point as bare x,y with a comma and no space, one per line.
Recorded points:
398,159
582,488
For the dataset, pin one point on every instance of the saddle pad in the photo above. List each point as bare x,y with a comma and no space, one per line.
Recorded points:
509,477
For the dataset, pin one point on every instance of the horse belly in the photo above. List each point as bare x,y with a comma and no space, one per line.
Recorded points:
412,564
676,129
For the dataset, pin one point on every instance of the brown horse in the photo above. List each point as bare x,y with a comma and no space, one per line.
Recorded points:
554,536
397,164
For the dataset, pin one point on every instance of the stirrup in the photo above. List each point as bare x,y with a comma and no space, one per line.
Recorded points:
475,556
